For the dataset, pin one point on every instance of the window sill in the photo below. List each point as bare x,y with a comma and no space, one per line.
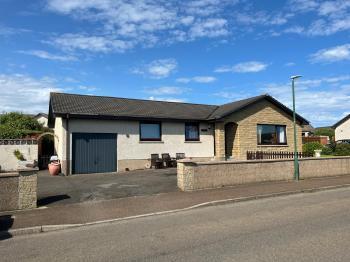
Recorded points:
193,142
273,145
151,142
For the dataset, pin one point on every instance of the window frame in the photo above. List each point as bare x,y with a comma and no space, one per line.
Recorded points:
276,134
198,128
150,139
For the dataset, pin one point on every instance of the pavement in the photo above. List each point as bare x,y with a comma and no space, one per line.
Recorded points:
300,227
91,212
62,190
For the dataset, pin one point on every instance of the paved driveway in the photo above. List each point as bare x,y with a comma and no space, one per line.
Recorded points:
56,190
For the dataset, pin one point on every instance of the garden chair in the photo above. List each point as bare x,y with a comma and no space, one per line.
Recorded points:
169,162
156,162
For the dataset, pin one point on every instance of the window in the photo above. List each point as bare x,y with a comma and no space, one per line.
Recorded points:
150,131
271,135
191,131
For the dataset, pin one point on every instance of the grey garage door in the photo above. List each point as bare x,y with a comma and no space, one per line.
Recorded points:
94,153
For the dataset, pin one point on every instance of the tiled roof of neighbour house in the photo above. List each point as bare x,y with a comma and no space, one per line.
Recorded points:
308,128
41,114
88,106
341,121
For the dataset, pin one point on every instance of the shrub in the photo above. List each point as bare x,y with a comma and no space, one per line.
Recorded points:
16,125
310,147
7,132
342,150
326,150
18,155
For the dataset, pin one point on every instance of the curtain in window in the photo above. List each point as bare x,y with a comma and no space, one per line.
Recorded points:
281,131
192,132
259,133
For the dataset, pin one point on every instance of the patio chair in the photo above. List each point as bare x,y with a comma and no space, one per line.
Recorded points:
169,162
180,156
156,162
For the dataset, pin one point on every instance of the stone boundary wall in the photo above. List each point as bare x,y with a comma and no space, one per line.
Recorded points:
201,175
18,190
8,161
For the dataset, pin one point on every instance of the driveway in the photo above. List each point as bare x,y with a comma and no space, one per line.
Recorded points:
56,190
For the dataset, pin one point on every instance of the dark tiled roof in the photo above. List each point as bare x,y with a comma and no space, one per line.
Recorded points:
229,108
341,121
308,128
124,107
102,106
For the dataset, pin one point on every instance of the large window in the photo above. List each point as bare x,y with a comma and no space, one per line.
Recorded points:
150,131
272,135
191,131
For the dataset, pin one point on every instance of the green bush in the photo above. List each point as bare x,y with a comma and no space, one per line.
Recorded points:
310,147
7,132
342,150
16,125
326,150
18,155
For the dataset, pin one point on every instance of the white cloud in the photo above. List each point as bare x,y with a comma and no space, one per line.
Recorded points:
157,69
211,27
290,64
26,94
104,44
244,67
322,101
166,90
167,99
333,54
123,24
197,79
46,55
88,88
261,18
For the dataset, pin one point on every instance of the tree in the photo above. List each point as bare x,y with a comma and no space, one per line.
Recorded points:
325,131
16,125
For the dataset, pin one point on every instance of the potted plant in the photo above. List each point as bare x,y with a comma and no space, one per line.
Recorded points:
54,166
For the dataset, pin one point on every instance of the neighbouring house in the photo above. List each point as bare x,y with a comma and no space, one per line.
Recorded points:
103,134
342,129
41,118
308,134
308,130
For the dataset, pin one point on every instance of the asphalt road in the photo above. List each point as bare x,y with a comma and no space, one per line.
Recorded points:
304,227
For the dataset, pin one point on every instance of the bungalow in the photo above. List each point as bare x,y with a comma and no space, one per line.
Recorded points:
342,129
102,134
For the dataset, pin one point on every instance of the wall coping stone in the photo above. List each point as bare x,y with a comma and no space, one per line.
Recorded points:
230,162
9,174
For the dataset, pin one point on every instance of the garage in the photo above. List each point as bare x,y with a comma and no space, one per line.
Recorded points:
94,153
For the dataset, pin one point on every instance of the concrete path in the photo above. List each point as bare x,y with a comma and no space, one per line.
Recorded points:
90,212
303,227
61,190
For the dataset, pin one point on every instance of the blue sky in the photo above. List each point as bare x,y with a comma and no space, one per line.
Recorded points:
201,51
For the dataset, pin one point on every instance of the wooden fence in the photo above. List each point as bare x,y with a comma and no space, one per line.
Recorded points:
258,155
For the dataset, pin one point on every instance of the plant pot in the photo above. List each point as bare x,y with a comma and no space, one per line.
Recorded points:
54,168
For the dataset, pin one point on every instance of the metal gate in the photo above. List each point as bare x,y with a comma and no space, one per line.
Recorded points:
94,153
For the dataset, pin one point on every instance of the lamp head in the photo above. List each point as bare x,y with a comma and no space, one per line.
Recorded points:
295,77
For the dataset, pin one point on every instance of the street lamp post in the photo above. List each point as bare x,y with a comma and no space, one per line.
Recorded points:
296,162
